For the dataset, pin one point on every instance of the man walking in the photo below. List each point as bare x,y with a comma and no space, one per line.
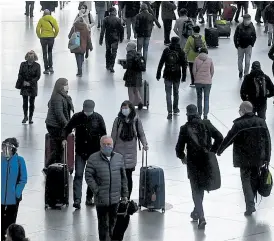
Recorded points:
106,176
89,128
114,32
174,59
251,149
269,21
244,40
29,8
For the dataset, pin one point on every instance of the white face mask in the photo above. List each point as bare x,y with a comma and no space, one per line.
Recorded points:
66,88
126,112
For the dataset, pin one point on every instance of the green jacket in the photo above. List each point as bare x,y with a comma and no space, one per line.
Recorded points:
47,27
189,48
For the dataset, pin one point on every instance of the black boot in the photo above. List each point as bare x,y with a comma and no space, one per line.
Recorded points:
24,121
30,119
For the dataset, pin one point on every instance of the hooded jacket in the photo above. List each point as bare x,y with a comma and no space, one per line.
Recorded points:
245,36
203,69
47,27
13,179
269,13
271,56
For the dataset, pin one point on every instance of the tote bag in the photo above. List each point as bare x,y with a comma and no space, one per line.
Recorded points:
74,41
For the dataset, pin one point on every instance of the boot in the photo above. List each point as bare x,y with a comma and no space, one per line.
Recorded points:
24,121
30,119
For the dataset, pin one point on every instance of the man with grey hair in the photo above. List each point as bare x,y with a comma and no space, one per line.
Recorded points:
106,177
251,150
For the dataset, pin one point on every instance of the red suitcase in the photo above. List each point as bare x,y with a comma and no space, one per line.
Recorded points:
229,13
70,151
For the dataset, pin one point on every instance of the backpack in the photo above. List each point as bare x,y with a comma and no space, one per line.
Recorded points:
140,63
187,28
260,86
198,43
172,60
265,182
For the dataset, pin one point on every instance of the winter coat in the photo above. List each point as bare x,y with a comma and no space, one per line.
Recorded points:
128,148
144,24
192,9
13,179
88,132
50,5
269,14
106,178
181,64
203,69
47,27
213,7
248,89
196,147
132,8
189,48
30,74
88,19
271,56
85,39
168,8
132,77
244,36
251,141
113,30
58,111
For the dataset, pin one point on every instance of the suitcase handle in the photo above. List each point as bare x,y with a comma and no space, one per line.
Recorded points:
144,157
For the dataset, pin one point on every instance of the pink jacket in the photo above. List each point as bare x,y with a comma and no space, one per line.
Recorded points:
203,69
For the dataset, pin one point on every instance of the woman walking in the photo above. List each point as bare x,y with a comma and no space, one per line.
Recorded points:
126,131
203,71
29,74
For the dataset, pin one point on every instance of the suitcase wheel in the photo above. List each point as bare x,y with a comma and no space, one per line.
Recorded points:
163,210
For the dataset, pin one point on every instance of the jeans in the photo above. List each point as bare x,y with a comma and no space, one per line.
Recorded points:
239,8
111,52
79,61
31,107
190,66
29,8
129,22
143,43
80,165
100,15
168,89
134,95
249,177
107,216
200,88
8,217
167,29
129,181
47,46
198,197
260,110
244,53
56,155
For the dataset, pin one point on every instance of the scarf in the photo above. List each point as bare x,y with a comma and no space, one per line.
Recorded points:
127,131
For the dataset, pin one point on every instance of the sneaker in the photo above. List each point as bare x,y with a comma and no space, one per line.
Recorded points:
89,202
194,216
249,212
176,112
202,223
169,116
77,205
45,171
240,74
24,121
192,85
140,106
51,70
111,70
46,72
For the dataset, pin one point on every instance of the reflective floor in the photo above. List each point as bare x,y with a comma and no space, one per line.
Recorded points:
223,208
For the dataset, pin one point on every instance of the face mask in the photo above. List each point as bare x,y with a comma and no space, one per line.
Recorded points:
83,10
7,151
88,113
241,113
126,112
247,22
107,150
66,88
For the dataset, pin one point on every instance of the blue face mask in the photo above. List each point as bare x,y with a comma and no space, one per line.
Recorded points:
107,150
126,112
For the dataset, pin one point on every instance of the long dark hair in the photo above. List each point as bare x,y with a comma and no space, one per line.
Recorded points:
17,233
131,107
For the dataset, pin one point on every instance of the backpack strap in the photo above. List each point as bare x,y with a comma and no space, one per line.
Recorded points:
137,132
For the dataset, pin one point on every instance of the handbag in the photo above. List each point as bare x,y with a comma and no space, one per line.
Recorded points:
19,84
74,41
213,181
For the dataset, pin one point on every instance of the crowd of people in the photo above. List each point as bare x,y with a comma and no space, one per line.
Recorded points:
108,161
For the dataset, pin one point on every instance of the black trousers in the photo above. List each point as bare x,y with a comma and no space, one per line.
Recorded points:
111,52
198,198
167,30
157,9
239,8
129,181
8,217
190,66
107,216
47,46
29,8
56,155
260,110
31,107
250,178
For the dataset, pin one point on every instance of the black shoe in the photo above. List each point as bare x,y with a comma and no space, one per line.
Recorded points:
240,75
79,75
24,121
205,117
236,20
89,202
107,67
169,116
30,120
202,223
176,112
111,70
51,70
86,55
249,212
140,106
202,22
194,216
77,205
269,44
46,72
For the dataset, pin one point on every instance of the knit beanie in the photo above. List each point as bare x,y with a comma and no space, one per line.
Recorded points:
256,65
131,46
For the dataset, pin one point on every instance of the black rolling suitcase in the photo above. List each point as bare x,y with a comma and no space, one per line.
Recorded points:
211,34
144,92
57,184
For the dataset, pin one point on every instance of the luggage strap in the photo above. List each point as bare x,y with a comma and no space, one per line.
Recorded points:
144,158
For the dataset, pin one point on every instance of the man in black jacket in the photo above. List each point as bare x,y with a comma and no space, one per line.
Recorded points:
269,21
143,29
89,128
244,40
114,31
251,149
256,88
197,134
175,62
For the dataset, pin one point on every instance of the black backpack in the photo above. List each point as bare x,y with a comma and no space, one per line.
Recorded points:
140,63
265,181
260,86
198,43
172,60
187,28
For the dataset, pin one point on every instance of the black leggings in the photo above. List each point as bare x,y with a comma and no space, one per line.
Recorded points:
31,106
8,217
129,181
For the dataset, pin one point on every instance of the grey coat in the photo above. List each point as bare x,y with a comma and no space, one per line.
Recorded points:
168,8
107,179
128,148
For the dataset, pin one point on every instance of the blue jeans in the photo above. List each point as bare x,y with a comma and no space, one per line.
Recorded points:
168,87
80,165
79,61
142,43
200,88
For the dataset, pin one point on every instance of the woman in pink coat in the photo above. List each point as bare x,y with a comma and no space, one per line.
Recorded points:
203,71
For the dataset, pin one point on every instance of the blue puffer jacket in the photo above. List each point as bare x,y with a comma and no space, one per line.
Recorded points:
13,179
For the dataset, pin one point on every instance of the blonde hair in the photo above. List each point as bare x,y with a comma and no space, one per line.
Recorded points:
31,52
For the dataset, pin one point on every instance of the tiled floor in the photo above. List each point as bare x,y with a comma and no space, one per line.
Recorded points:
223,208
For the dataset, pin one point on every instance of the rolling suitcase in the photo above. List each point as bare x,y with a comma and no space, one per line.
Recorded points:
57,184
70,151
151,186
224,28
229,13
212,37
144,92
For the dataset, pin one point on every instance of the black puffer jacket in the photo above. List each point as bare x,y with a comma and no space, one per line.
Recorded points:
249,91
251,141
30,74
269,13
271,56
132,8
245,36
192,9
112,29
144,24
